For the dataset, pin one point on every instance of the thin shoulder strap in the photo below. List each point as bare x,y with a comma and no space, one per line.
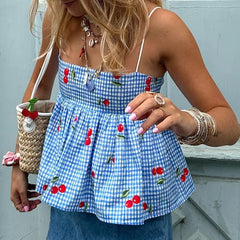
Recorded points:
143,41
43,70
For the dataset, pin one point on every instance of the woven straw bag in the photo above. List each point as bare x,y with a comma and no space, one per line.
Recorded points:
32,126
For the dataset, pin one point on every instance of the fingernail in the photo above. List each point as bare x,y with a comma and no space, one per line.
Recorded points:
155,130
127,109
133,116
26,208
140,130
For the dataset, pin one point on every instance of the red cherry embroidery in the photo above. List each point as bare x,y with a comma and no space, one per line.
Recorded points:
106,102
33,115
89,132
148,88
160,170
66,71
62,188
93,174
88,141
129,204
113,159
120,128
149,80
58,128
25,112
145,206
183,178
154,172
136,199
45,187
75,119
81,204
65,79
116,76
54,190
185,171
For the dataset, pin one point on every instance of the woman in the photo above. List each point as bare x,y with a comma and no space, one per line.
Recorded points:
129,171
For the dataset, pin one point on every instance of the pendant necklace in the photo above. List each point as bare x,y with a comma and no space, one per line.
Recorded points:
89,78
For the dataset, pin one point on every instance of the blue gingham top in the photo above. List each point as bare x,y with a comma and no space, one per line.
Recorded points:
93,158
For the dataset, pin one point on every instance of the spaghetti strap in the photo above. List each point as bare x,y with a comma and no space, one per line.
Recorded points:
143,41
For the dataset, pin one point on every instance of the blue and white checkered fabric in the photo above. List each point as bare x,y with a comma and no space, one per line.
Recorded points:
94,160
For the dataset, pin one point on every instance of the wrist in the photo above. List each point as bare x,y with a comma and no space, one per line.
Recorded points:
206,128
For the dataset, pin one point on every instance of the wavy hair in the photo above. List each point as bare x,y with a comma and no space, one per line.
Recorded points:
123,24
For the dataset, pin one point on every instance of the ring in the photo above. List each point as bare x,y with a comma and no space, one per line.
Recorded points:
159,100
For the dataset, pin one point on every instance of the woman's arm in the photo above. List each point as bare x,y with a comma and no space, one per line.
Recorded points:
181,57
19,186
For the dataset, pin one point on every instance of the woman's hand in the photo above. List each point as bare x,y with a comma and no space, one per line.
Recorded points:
164,116
20,193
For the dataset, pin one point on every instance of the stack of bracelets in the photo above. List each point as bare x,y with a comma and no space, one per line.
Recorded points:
206,128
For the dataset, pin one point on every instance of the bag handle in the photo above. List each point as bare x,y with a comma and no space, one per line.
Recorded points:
43,70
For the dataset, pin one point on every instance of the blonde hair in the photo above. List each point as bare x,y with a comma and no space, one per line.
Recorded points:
123,24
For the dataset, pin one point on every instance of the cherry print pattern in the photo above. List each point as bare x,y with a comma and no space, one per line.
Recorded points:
66,71
136,199
116,76
148,82
154,171
129,204
120,128
89,134
125,193
54,189
106,102
62,188
65,78
45,187
88,139
110,158
183,178
145,206
93,174
185,171
81,204
160,170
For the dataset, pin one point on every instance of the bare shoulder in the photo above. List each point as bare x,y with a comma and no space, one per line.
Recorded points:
168,29
166,21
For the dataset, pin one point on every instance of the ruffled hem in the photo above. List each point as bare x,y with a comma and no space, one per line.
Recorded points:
95,161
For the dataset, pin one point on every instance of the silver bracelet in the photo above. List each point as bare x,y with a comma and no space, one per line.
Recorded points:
206,128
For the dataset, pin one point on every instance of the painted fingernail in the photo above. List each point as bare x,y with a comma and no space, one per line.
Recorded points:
26,208
127,109
155,130
140,130
133,116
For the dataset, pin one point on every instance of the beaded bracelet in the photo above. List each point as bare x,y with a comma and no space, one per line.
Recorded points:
206,128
